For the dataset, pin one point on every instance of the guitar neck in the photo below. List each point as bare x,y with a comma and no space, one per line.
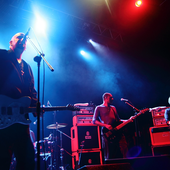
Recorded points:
123,124
131,120
46,109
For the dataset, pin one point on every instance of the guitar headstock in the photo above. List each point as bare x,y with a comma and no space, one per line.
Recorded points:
72,108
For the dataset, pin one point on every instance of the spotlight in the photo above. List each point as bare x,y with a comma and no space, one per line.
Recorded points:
138,3
82,52
40,24
90,40
85,54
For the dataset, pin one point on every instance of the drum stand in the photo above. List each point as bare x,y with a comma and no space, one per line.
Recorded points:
61,167
53,159
52,165
53,143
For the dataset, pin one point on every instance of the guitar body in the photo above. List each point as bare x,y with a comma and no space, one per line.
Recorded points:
11,111
110,134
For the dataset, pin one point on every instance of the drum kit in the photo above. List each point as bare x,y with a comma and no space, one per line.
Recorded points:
48,148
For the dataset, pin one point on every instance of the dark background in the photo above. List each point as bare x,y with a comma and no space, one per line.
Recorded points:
132,63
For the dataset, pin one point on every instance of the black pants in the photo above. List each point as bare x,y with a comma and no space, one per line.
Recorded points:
16,140
116,148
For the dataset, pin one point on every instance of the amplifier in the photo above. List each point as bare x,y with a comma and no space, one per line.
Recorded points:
82,120
159,121
158,111
84,110
160,135
85,138
86,158
160,150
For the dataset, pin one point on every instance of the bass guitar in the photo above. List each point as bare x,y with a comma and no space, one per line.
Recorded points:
111,134
15,110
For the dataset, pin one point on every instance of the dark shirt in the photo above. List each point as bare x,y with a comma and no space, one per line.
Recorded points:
16,79
167,115
107,115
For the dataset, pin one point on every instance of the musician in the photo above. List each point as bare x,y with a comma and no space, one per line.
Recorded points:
16,81
106,115
167,114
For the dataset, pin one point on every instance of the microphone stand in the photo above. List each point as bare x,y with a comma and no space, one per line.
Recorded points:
38,60
136,125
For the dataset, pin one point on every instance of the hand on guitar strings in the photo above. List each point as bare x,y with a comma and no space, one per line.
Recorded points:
109,127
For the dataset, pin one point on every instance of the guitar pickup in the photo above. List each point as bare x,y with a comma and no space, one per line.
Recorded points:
3,111
6,110
21,110
9,110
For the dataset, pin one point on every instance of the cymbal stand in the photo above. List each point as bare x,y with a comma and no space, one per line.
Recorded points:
61,148
53,158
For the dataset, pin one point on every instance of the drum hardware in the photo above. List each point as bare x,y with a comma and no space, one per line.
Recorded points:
56,127
45,148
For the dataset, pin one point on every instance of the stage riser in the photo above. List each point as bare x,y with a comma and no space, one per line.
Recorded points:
142,163
125,166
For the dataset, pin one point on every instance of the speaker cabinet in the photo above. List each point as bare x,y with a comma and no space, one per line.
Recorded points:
160,135
160,150
85,138
144,163
80,159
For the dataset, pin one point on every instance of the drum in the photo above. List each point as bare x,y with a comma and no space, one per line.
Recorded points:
45,148
45,153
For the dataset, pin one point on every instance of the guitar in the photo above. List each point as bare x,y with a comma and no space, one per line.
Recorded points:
111,134
14,110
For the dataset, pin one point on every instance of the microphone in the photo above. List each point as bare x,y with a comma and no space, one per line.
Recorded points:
125,100
25,36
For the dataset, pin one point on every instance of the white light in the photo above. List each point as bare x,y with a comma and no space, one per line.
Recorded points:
82,52
39,23
90,41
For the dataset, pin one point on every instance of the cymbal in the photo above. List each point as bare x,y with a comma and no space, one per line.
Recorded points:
46,138
56,126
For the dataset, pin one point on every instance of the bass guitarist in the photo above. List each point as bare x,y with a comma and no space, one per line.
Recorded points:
16,81
106,115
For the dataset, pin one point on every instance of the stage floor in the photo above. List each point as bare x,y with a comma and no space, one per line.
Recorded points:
138,163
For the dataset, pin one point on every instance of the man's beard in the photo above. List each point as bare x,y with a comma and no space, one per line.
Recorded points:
21,46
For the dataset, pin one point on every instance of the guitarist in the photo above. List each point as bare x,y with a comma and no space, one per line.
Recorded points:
16,81
106,116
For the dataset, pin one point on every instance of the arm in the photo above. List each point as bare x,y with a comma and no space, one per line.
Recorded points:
102,124
96,121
